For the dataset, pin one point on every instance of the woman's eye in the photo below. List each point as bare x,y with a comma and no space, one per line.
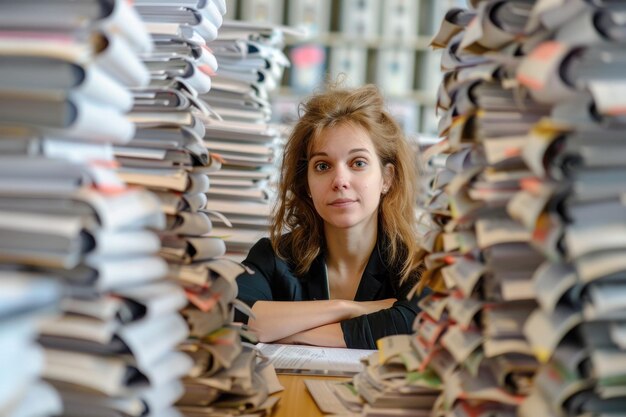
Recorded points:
321,166
360,164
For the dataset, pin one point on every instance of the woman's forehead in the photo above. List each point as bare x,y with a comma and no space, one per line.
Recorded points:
343,136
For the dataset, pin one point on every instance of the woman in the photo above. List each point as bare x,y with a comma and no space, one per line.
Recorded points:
342,254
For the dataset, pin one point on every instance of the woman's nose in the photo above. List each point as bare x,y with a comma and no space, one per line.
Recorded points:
341,180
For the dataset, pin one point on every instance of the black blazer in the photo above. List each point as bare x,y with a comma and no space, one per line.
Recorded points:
274,280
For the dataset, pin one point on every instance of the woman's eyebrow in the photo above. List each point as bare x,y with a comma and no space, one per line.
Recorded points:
351,151
317,154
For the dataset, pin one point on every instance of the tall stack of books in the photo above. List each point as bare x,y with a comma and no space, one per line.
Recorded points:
526,269
24,299
573,208
470,330
167,153
393,382
66,72
251,64
172,154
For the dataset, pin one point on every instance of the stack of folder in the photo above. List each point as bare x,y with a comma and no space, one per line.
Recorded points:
470,331
573,208
167,153
67,70
24,299
227,377
251,64
525,208
394,382
172,154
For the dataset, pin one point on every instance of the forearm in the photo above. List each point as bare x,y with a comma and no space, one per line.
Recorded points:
276,320
329,335
362,332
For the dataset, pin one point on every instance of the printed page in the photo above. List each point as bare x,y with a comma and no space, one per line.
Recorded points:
323,392
314,359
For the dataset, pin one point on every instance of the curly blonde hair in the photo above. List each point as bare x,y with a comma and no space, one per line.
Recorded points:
296,228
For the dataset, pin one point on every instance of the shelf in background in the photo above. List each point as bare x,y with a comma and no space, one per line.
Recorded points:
420,43
422,97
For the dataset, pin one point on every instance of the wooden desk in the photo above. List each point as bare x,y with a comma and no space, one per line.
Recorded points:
295,399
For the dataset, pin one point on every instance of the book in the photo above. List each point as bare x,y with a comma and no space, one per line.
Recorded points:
360,18
313,16
74,115
394,71
312,360
262,11
349,62
53,75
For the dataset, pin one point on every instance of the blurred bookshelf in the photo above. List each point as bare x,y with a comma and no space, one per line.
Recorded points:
384,42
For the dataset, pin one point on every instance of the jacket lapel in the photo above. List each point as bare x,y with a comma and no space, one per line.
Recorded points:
316,281
373,277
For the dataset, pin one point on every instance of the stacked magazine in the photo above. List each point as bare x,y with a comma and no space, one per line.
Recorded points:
25,299
172,153
394,382
573,208
250,66
470,332
67,68
524,202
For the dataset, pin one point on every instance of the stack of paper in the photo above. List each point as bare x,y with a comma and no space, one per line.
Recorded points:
227,374
251,64
167,153
470,330
172,154
393,380
67,69
24,300
526,188
573,208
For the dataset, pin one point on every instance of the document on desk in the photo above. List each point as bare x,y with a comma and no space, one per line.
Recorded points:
314,360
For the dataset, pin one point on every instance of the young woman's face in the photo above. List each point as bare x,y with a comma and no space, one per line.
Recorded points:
345,177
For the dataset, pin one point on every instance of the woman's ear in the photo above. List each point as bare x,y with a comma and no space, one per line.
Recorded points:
388,175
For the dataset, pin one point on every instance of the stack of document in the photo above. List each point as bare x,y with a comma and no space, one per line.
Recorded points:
24,300
167,154
480,262
67,72
394,381
251,67
251,64
527,313
390,381
226,374
573,209
172,154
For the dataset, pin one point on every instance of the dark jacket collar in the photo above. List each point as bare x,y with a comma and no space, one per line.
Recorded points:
374,275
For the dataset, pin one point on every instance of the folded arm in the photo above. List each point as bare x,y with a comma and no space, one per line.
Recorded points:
362,331
329,335
276,320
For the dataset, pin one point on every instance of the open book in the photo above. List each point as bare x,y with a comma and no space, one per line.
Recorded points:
314,360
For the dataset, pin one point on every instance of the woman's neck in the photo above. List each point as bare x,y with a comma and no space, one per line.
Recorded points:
349,248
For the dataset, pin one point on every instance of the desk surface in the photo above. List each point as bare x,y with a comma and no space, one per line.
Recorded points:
295,400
